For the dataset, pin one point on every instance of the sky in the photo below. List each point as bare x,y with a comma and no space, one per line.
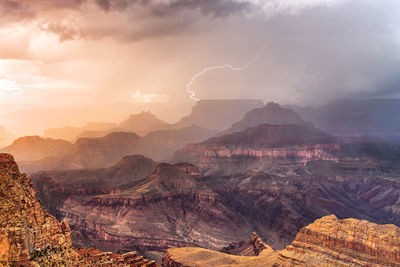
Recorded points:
122,56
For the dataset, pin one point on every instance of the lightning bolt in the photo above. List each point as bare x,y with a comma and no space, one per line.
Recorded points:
192,94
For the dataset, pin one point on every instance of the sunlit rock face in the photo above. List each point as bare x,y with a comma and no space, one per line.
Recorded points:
29,236
326,242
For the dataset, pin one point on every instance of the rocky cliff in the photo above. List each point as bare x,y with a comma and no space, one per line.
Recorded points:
29,236
326,242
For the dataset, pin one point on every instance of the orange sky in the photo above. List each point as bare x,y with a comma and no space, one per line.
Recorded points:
101,53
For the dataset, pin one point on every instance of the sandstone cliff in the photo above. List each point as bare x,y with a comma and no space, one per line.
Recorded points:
326,242
29,236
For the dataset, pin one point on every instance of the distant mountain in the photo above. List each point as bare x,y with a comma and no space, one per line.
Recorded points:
6,137
370,117
34,147
71,133
271,113
106,151
142,123
218,114
161,145
98,134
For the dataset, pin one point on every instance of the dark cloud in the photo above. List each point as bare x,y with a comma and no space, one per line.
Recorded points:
145,18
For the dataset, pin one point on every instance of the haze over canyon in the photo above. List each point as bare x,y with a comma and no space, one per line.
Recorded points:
196,133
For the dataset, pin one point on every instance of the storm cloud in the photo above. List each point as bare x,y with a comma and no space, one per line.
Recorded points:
94,51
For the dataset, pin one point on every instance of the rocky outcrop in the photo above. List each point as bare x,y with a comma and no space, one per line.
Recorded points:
352,241
326,242
29,236
25,225
252,247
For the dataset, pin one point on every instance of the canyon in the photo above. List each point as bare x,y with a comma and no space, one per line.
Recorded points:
177,206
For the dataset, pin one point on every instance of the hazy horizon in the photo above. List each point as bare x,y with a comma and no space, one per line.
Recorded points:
102,60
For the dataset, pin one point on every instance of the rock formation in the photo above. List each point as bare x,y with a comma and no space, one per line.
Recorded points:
326,242
262,147
271,113
29,236
252,247
142,123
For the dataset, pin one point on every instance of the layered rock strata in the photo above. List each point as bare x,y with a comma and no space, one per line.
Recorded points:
326,242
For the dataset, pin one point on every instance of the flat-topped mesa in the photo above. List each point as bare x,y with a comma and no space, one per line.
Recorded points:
328,241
